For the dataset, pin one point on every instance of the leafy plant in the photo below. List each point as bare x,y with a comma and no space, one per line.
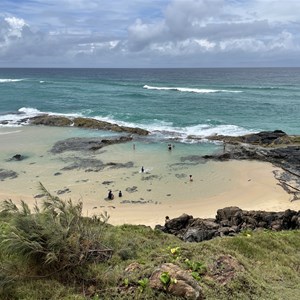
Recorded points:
143,283
196,266
126,282
167,280
196,276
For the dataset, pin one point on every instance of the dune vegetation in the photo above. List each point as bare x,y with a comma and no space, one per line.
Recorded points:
53,252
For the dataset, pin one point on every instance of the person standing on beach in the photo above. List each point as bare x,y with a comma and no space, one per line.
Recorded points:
110,195
191,178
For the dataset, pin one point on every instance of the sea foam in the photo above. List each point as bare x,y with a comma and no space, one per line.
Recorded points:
189,90
9,80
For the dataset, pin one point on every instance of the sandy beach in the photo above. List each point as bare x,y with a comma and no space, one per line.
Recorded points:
163,189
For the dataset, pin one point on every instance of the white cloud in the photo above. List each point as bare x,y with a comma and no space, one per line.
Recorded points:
137,32
15,26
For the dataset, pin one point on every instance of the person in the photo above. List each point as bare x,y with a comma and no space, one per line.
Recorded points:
191,178
110,195
142,169
167,219
120,194
133,146
169,146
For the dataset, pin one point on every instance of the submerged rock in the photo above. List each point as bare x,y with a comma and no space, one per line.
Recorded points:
7,174
86,144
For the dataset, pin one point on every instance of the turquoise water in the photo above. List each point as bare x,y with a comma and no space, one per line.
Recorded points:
171,103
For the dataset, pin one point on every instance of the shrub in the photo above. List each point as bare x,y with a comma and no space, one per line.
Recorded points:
54,237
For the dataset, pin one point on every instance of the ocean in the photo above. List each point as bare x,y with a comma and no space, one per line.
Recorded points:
170,103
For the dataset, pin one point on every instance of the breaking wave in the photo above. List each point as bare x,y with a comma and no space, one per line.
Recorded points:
10,80
159,129
189,90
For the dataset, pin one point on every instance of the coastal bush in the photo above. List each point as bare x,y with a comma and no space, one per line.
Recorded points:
54,237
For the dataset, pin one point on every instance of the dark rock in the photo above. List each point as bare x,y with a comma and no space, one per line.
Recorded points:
131,189
230,214
84,123
17,157
107,182
176,224
65,190
86,144
50,120
39,196
88,164
198,235
113,165
7,174
229,222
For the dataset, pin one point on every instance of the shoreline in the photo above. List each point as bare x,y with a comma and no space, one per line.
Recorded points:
163,190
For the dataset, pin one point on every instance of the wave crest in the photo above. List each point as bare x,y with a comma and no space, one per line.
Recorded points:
9,80
189,90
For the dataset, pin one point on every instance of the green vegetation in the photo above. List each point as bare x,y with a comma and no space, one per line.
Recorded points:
53,252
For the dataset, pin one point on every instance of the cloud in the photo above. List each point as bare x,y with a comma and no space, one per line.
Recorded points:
141,33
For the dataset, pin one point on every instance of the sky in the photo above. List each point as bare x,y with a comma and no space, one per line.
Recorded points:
149,33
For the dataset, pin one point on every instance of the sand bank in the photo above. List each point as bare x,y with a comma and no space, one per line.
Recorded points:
163,189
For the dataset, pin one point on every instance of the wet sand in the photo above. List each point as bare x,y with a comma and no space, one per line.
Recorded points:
163,189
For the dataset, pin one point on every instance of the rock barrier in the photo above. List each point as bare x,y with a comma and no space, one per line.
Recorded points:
230,221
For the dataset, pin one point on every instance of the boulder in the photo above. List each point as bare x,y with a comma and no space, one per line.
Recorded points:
176,224
17,157
182,283
198,235
232,215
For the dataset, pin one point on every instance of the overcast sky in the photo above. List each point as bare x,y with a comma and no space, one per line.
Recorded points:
149,33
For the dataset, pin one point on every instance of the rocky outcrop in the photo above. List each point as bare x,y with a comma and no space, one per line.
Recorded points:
181,283
230,221
50,121
275,147
90,123
263,138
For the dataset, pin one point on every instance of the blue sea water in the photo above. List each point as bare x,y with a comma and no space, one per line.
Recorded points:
171,103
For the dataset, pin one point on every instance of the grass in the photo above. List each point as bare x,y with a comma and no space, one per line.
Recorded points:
253,265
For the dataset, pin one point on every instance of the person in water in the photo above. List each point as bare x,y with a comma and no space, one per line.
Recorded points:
142,169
